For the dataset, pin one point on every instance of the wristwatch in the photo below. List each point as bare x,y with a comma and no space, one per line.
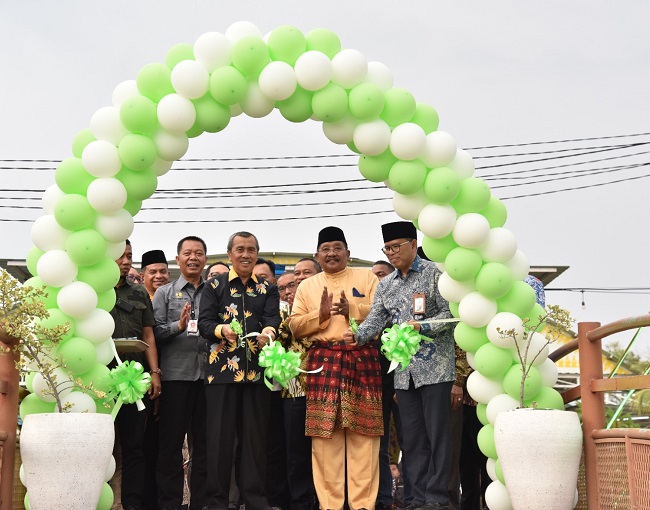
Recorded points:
156,371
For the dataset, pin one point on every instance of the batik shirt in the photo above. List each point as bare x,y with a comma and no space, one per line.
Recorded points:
393,303
255,305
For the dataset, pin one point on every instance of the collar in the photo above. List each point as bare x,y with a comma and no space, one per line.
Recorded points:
232,274
126,283
182,282
417,267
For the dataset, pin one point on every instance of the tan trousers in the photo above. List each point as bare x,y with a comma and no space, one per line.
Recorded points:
329,458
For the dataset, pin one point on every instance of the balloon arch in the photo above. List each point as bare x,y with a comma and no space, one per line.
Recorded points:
117,161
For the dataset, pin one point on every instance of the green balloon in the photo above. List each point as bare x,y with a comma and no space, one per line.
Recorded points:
297,107
495,213
82,138
512,382
98,376
85,247
105,498
470,339
330,103
453,308
105,405
51,292
407,177
286,43
485,440
211,116
154,81
463,264
133,206
547,398
426,117
438,249
194,131
31,404
71,176
399,107
494,280
29,381
323,40
102,276
26,503
106,300
139,185
481,413
366,101
227,85
499,472
57,318
250,55
33,255
533,318
473,196
138,152
519,300
73,212
139,115
376,168
77,354
178,53
353,147
492,361
441,185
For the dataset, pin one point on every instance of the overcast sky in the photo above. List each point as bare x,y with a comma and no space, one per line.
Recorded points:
499,73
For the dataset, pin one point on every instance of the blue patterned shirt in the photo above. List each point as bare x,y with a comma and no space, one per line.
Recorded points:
434,362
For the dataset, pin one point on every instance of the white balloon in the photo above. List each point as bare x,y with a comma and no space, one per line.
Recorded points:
96,327
496,497
78,402
504,321
379,74
235,110
501,245
56,268
490,467
51,196
278,81
349,68
440,149
115,250
518,265
241,29
125,90
105,124
372,138
313,70
549,372
212,49
21,475
105,352
471,230
110,470
341,131
482,389
161,166
463,163
77,299
106,195
452,290
437,221
408,141
255,104
176,113
537,351
61,380
48,235
476,310
471,358
115,227
101,159
171,147
408,207
441,266
190,79
498,404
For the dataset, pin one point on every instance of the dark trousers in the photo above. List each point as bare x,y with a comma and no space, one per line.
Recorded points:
389,408
456,442
182,411
424,412
277,491
151,458
131,425
237,411
299,473
473,473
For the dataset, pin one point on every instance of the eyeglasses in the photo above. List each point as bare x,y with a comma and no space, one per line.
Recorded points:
394,248
291,285
327,251
133,278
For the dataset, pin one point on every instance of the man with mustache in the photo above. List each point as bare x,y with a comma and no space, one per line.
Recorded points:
154,270
344,413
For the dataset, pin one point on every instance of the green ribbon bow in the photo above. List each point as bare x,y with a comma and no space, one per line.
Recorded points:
128,384
279,364
400,343
236,327
353,325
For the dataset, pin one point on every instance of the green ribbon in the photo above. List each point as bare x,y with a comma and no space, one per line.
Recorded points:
236,327
353,325
279,364
128,384
400,343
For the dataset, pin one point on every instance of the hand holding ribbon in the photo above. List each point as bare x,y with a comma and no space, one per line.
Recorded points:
280,364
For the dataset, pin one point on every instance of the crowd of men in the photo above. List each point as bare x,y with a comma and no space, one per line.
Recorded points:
323,440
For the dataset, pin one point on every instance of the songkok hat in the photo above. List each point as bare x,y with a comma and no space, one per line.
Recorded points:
330,234
153,257
398,230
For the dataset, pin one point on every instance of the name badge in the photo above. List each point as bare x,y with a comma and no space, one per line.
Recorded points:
419,304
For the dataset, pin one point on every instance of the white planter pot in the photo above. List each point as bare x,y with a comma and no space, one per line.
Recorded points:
65,457
539,451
